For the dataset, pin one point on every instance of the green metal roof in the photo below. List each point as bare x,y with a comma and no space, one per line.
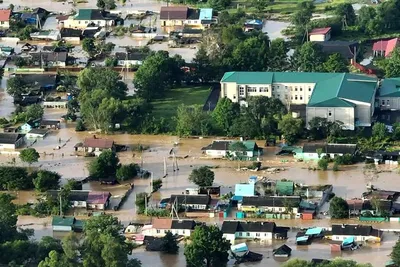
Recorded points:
285,187
390,87
250,145
84,14
62,221
331,89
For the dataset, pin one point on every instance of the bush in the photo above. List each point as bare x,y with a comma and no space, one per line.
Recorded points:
80,126
323,164
126,172
335,167
346,159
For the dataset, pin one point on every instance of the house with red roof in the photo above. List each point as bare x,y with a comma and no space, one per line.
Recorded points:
384,48
320,34
5,15
95,145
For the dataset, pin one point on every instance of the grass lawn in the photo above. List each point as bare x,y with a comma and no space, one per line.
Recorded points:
167,106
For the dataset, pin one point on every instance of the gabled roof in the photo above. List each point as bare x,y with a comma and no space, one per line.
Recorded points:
355,230
98,143
386,45
49,56
262,201
162,223
10,138
174,12
38,131
62,221
49,122
330,148
38,79
345,48
390,87
320,31
190,199
98,197
183,224
92,14
231,227
285,187
206,13
5,14
282,250
218,145
130,56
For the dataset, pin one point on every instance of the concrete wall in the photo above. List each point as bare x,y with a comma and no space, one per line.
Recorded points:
386,103
345,115
320,37
62,228
4,24
82,24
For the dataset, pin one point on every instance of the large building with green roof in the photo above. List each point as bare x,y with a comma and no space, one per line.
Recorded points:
388,95
86,17
344,97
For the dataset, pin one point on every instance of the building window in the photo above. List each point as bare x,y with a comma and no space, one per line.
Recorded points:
309,97
387,103
286,87
295,88
383,102
295,97
330,113
158,231
251,89
279,96
265,234
280,209
241,91
277,87
257,234
273,88
309,89
301,89
301,97
240,233
291,97
247,234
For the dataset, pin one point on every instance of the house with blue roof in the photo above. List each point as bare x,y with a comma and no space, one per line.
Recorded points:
345,97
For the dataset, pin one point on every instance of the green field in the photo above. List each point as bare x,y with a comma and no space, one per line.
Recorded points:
167,106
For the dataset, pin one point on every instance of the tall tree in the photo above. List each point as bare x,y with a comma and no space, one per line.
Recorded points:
204,70
16,86
45,180
192,120
29,155
207,247
225,113
309,58
104,166
202,176
379,131
338,208
170,243
336,63
395,255
346,12
392,64
158,73
291,128
279,52
303,14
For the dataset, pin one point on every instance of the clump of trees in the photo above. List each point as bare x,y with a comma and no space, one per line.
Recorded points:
329,263
29,155
202,176
338,208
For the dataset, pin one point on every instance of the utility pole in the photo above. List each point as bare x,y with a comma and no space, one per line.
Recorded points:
60,204
165,168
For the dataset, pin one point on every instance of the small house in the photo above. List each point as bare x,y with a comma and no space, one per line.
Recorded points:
361,233
29,125
5,15
11,141
310,151
37,133
283,251
85,199
190,202
35,17
275,204
47,35
263,231
222,148
71,35
384,48
49,59
43,82
254,24
50,124
87,18
66,224
98,200
303,240
174,15
347,49
320,34
129,59
95,145
160,226
388,94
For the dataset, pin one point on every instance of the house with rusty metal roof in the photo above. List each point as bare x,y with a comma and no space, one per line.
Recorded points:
95,145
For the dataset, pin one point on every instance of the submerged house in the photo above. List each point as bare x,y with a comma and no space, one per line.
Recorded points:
96,145
320,34
233,230
66,224
190,202
85,199
275,204
388,95
222,148
160,226
361,233
11,141
310,151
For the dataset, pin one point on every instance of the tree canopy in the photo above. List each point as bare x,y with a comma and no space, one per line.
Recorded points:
209,237
202,176
338,208
29,155
291,128
45,180
104,166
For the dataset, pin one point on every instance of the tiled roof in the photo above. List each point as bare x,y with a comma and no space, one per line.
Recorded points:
5,14
174,12
320,31
162,223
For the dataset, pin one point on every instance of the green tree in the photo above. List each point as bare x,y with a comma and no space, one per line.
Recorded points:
14,178
309,58
204,69
20,62
46,180
54,259
157,184
238,148
158,73
219,4
34,112
225,113
323,164
16,86
395,255
346,12
89,46
297,263
338,208
291,128
192,120
126,172
392,64
47,244
216,252
336,63
29,155
104,166
278,51
303,14
80,126
170,243
101,4
202,176
111,62
8,218
379,131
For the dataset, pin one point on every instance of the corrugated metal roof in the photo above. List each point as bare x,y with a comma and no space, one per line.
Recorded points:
205,13
285,187
244,190
390,87
314,231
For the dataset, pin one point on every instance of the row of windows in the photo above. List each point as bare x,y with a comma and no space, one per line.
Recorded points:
248,234
291,88
387,102
264,89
